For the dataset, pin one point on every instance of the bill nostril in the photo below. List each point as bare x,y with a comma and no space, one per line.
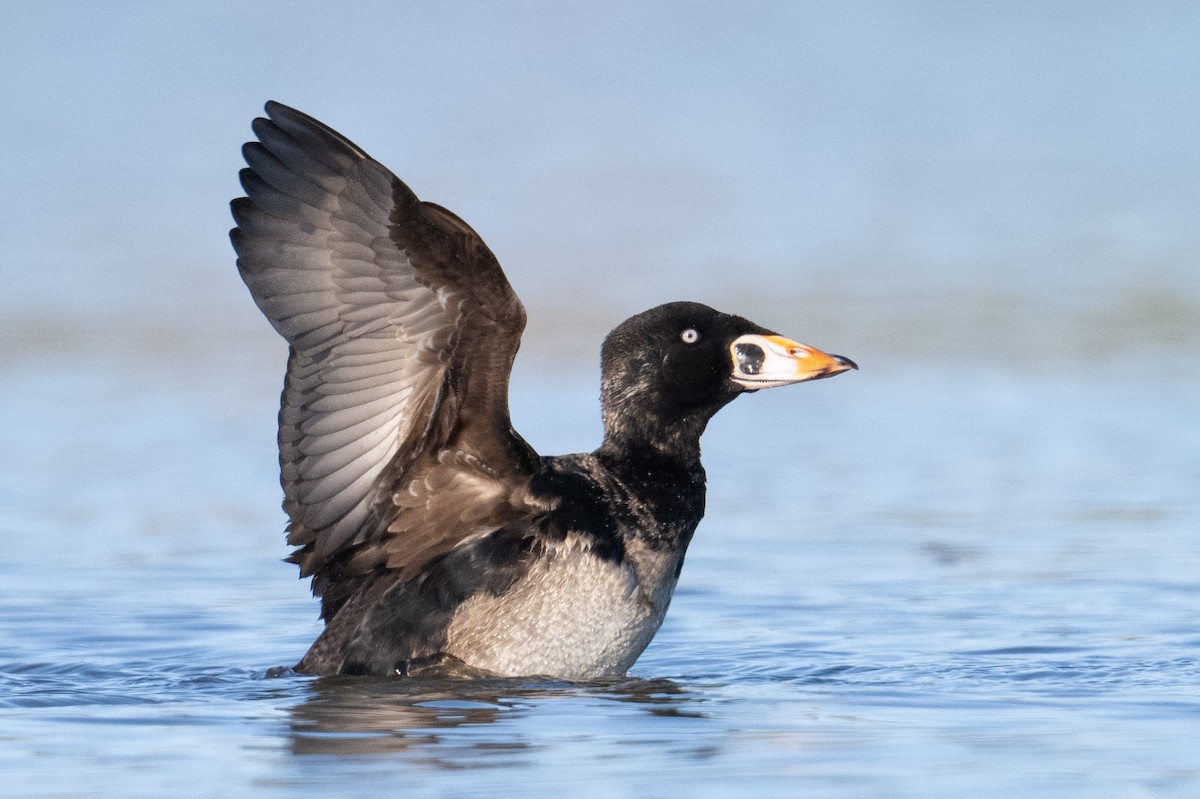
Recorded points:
750,358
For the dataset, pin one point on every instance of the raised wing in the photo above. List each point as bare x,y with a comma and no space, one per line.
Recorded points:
402,330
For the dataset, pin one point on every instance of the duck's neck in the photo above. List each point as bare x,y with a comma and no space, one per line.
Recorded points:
665,485
644,437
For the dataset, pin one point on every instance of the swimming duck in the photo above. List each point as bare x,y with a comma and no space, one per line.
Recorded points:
434,535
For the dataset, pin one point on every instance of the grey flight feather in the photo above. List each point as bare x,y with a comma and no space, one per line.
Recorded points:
382,299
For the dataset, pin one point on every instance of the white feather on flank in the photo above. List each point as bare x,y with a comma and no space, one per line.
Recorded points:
572,615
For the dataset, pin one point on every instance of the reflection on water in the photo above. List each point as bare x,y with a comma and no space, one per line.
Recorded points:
356,716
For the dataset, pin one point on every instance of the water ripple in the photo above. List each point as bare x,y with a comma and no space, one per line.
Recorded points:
44,685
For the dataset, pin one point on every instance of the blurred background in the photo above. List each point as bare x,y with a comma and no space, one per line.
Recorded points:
991,207
1010,182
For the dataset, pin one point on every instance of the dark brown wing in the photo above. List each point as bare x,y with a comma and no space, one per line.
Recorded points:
394,434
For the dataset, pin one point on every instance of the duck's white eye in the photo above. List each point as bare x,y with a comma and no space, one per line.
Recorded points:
690,336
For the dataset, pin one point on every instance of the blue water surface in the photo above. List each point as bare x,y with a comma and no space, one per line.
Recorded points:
913,581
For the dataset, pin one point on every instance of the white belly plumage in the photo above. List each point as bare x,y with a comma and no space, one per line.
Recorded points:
573,615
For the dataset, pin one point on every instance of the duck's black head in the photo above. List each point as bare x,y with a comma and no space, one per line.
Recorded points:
665,372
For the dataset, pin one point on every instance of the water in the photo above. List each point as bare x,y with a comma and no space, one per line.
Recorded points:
970,569
924,579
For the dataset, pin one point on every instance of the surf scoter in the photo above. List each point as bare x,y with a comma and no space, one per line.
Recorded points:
434,535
